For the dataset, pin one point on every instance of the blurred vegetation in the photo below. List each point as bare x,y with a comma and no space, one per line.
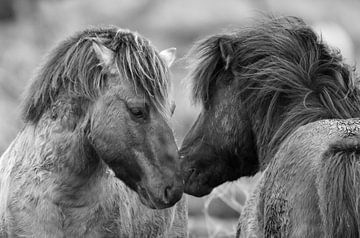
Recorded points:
29,28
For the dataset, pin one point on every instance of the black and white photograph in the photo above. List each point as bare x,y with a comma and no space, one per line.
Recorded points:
179,119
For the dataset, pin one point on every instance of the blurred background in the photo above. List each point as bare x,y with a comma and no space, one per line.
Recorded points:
30,28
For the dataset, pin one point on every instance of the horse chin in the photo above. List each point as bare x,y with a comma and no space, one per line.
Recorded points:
151,202
145,201
197,190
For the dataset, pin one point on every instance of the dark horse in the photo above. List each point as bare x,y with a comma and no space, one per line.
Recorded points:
96,145
277,99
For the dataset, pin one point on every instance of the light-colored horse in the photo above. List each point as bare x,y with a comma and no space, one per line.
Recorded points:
96,157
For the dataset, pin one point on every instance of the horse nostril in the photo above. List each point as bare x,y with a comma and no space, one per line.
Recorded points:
190,173
173,193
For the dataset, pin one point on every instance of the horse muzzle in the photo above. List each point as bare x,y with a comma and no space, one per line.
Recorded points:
162,195
194,184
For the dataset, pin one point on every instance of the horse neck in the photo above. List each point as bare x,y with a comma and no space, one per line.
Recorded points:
62,152
265,149
269,136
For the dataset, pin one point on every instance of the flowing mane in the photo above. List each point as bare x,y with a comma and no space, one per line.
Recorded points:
281,66
277,99
73,69
97,156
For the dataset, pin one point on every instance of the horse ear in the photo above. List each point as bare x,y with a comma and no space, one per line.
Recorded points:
104,54
226,51
168,56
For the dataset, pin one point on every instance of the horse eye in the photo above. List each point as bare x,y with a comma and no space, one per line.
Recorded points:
138,112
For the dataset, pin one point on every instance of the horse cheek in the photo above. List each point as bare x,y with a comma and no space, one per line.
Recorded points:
107,133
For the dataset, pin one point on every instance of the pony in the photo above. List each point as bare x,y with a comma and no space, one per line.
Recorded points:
275,98
96,156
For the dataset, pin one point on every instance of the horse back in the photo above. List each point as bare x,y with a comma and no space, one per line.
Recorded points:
291,195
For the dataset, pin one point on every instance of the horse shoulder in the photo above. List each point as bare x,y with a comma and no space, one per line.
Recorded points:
13,178
290,197
286,201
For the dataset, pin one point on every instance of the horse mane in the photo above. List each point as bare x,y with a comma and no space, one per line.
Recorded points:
282,67
74,69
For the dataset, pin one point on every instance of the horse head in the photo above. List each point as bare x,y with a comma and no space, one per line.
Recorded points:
219,147
119,87
134,139
256,86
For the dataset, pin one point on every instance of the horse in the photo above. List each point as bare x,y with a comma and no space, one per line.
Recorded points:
277,99
96,156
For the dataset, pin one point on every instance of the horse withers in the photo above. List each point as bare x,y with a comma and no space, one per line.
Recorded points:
275,98
96,157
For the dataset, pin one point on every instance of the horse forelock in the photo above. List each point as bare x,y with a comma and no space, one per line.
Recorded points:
282,67
139,62
74,69
205,63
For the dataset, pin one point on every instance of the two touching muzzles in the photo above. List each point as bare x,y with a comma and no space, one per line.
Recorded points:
97,155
